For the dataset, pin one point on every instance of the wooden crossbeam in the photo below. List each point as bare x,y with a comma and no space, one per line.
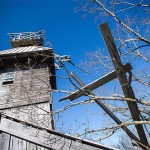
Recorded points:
95,84
126,87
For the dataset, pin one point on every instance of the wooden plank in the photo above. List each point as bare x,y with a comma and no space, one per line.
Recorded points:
127,89
95,84
24,102
22,136
22,145
4,141
31,146
47,138
14,143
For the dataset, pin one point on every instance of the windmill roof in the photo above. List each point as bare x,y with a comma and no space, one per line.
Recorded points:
27,49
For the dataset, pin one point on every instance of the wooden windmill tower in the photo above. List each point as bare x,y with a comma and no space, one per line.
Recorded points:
27,74
25,78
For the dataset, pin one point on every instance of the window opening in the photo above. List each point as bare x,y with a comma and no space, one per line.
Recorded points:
8,78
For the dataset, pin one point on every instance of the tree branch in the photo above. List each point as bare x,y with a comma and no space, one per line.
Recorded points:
122,23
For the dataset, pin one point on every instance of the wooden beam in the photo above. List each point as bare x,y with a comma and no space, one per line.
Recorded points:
20,103
23,136
104,107
95,84
126,87
45,135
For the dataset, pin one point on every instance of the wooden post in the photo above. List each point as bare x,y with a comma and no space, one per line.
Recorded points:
127,89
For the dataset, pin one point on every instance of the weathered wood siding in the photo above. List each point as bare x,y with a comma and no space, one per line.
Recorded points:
26,99
28,104
36,114
29,87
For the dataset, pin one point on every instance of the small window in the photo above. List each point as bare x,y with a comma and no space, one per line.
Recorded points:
8,78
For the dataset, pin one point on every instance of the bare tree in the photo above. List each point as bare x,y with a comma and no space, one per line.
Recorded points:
131,27
131,33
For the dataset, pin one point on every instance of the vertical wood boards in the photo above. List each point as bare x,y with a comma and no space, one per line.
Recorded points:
4,141
14,143
26,99
127,89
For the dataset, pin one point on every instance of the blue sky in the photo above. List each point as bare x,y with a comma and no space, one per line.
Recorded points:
69,33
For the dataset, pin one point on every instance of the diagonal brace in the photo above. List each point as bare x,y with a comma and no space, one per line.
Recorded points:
95,84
